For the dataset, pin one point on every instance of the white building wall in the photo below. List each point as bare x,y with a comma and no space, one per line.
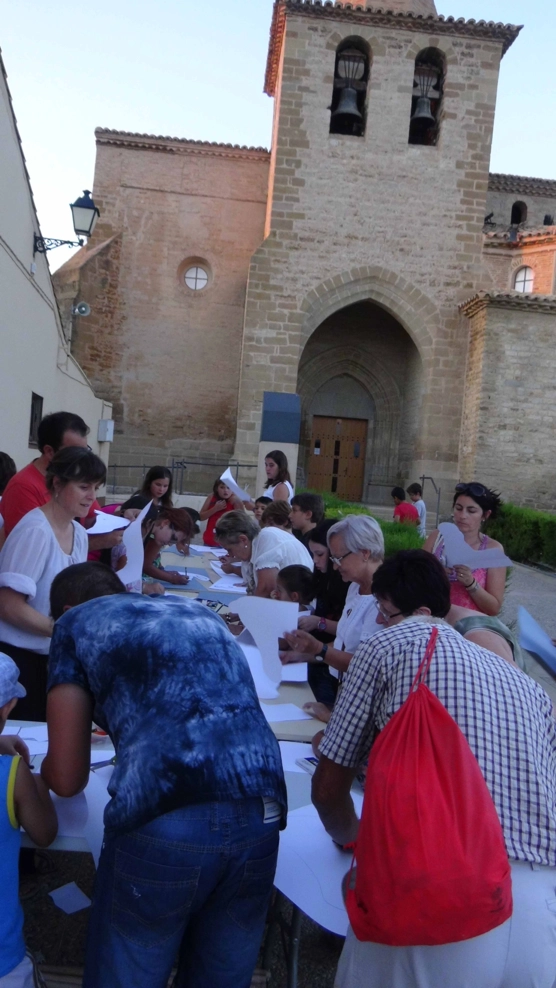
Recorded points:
33,353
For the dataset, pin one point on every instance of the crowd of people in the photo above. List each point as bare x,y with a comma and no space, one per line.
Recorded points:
198,795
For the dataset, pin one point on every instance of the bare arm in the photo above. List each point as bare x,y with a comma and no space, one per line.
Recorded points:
302,641
281,493
492,642
34,808
69,712
15,610
106,541
265,582
330,793
206,511
152,550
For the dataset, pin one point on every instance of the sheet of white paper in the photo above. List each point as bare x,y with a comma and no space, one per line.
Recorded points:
276,713
11,728
107,523
291,751
97,796
71,813
37,733
230,583
267,620
535,639
217,567
69,898
199,574
101,754
202,549
36,747
266,690
458,553
230,482
294,672
311,868
133,541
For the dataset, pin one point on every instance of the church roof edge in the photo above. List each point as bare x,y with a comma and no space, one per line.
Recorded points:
179,145
378,16
524,184
507,300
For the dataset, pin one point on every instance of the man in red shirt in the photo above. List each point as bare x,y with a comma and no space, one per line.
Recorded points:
403,511
27,489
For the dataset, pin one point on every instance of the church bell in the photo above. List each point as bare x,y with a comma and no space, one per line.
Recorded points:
347,105
423,113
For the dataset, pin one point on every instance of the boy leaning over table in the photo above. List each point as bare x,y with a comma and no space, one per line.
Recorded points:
198,792
25,801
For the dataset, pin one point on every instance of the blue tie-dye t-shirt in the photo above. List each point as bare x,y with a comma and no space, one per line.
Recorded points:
175,693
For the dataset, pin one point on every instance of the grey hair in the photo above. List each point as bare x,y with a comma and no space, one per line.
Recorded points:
236,523
359,532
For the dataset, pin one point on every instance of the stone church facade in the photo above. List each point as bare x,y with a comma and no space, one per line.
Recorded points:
368,263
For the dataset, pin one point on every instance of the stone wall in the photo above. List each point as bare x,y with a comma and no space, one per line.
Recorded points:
538,206
503,262
168,355
509,426
373,217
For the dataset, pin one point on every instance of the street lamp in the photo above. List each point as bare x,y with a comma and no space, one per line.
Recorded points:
85,215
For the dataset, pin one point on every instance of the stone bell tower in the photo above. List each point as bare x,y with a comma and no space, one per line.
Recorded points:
378,181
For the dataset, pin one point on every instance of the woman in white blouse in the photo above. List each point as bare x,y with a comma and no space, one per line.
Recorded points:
44,542
261,552
357,550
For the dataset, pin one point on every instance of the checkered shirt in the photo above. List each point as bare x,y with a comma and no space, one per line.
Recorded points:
505,716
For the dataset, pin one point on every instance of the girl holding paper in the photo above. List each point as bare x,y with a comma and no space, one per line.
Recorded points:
479,589
217,504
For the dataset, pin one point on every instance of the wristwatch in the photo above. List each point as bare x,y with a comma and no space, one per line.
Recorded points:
322,624
321,655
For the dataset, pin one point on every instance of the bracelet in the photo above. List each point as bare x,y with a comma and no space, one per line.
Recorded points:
474,587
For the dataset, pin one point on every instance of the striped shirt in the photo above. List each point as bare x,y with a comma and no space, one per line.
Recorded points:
505,716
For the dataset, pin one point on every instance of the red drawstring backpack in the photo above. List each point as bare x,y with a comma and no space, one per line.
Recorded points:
432,866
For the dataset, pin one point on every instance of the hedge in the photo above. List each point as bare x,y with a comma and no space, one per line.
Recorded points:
396,535
528,536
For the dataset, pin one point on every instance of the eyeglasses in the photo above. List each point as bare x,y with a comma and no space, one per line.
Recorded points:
337,560
388,617
475,490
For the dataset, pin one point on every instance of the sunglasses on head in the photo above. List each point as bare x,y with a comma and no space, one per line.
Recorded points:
475,490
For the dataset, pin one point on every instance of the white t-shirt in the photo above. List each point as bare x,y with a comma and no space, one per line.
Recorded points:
269,491
29,561
422,509
358,621
274,549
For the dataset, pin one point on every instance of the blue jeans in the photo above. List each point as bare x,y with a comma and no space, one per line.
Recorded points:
194,883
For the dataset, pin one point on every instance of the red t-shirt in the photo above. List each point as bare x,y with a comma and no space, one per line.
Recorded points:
25,491
407,513
208,534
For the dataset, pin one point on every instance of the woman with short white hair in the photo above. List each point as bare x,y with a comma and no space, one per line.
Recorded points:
357,550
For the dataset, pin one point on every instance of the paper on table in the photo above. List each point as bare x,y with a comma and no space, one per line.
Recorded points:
36,747
535,639
217,567
101,754
201,549
276,713
69,898
230,583
458,553
106,523
311,868
133,541
37,733
97,796
230,482
199,574
291,751
192,586
71,813
294,672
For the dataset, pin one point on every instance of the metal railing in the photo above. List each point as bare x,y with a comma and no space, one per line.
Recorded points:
188,476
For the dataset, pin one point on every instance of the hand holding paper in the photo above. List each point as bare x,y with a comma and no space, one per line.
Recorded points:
228,479
458,553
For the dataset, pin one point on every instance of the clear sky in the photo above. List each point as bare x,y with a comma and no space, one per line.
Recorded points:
195,68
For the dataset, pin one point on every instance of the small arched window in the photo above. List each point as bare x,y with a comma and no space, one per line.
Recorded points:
426,101
524,279
519,213
349,95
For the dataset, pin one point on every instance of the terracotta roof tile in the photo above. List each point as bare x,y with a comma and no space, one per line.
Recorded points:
539,303
522,184
176,145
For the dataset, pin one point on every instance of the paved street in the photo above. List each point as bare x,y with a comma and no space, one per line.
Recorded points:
536,591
